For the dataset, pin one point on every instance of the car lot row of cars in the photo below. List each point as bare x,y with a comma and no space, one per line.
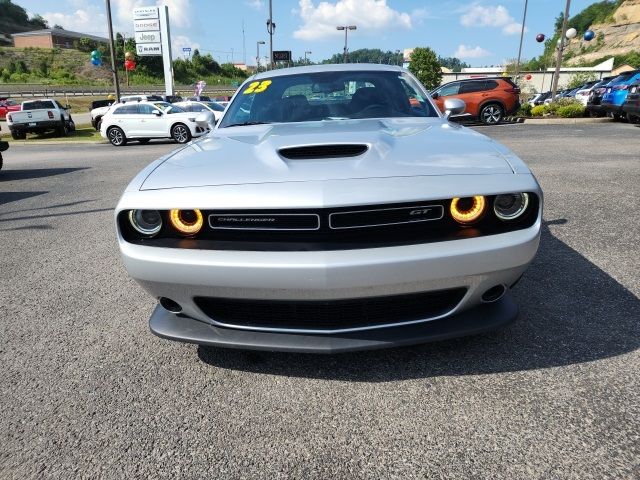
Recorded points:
615,96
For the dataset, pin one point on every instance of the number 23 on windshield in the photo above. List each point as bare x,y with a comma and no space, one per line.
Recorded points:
257,87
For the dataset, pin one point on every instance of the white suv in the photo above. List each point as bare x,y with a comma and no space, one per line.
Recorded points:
142,121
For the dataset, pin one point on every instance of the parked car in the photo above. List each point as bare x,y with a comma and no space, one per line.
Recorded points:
199,98
98,109
7,105
617,91
487,99
39,116
144,120
192,106
594,103
171,98
353,221
539,98
631,106
583,94
141,98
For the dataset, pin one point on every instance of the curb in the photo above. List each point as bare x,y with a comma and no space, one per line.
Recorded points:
565,121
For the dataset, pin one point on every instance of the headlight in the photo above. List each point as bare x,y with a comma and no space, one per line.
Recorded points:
146,222
467,210
511,205
187,222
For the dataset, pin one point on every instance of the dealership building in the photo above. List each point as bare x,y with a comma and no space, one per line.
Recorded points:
51,38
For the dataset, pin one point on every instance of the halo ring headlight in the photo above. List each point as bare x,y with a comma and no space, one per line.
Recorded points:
511,205
467,210
145,222
186,222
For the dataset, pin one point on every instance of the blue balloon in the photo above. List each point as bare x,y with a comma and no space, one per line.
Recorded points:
589,35
96,61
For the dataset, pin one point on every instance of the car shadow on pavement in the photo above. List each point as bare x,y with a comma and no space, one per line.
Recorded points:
570,312
28,174
8,197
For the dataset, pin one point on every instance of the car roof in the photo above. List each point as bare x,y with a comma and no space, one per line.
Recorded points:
333,67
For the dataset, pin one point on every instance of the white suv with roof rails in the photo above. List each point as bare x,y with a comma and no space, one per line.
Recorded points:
144,120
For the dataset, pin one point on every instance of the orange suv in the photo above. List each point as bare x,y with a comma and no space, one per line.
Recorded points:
487,99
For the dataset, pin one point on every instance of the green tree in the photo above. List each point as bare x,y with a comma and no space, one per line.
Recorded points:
455,64
578,79
425,66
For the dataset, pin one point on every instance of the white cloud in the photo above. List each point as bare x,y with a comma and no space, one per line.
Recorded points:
464,51
180,41
476,15
91,20
257,4
368,15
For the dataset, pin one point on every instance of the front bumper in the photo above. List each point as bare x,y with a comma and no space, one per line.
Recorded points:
482,318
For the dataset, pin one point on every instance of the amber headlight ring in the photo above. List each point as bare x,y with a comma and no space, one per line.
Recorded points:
468,210
186,222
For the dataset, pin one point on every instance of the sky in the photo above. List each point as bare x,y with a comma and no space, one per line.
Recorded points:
481,32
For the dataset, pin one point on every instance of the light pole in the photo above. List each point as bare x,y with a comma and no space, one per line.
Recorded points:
524,19
271,27
305,56
346,29
112,49
261,42
556,73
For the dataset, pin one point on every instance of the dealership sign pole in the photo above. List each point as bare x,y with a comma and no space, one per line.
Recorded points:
113,53
153,38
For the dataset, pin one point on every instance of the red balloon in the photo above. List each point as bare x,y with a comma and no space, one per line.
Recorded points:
129,64
529,76
540,38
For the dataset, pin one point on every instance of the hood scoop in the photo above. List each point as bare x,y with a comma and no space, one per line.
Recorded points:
323,151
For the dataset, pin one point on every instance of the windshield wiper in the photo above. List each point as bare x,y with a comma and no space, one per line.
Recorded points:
244,124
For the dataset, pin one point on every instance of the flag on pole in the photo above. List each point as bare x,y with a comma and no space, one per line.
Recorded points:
200,87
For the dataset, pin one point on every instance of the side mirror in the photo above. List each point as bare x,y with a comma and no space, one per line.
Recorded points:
435,95
67,107
157,113
453,106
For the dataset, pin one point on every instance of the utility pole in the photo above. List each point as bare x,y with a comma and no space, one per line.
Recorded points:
271,27
112,49
305,56
524,19
556,74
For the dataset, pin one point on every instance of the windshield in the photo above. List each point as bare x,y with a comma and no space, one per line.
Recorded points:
214,106
38,105
168,108
328,96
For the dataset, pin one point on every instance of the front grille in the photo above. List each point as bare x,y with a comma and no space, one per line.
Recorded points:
322,151
330,315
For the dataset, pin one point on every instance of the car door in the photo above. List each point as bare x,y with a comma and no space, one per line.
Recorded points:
444,92
473,94
153,123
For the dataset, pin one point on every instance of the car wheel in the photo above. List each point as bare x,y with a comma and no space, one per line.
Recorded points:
0,161
144,140
18,135
180,133
491,114
632,118
98,123
63,130
116,137
72,125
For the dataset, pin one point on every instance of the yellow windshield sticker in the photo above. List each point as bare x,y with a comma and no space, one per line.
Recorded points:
257,87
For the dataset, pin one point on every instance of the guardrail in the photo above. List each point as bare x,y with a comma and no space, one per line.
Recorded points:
17,90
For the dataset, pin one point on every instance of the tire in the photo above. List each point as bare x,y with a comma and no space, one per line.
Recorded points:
632,118
144,141
63,130
491,114
18,135
98,123
180,133
116,136
72,124
1,161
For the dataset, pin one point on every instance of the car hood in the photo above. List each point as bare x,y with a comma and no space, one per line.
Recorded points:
396,148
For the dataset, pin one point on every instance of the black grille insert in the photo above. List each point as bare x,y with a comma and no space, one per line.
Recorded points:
323,151
330,314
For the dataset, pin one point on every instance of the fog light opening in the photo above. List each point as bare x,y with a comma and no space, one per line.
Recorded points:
494,294
168,304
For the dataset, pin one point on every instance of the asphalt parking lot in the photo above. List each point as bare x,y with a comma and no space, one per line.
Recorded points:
88,392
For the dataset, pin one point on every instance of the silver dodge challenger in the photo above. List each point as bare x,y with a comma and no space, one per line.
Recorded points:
332,208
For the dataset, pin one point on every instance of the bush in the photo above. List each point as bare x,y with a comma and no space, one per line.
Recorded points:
573,110
538,110
553,107
525,110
